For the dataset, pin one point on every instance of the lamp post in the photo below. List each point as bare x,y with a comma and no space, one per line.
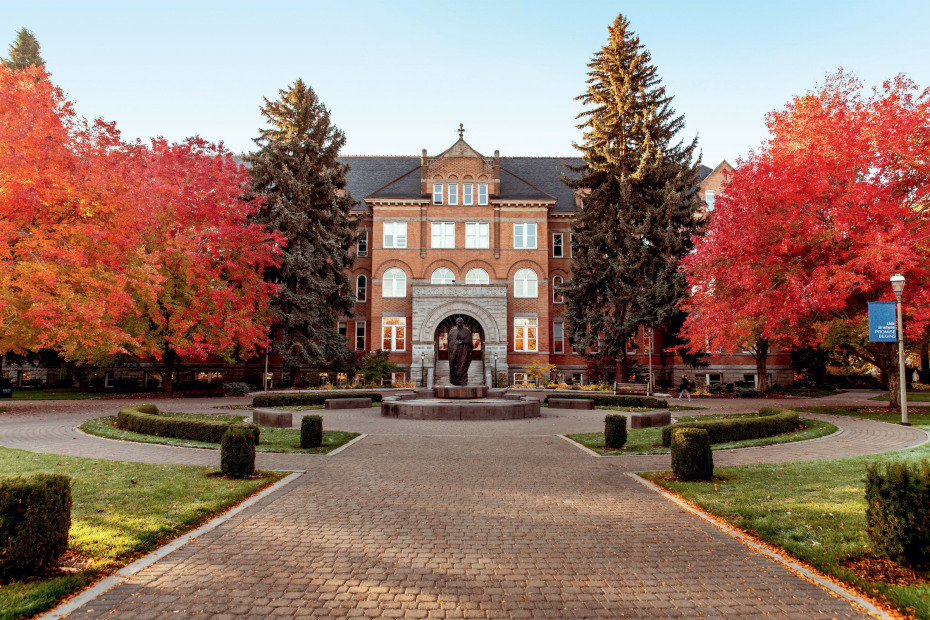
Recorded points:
494,383
897,283
649,383
422,369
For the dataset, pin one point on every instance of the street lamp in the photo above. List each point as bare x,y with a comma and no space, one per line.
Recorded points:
897,283
494,382
422,369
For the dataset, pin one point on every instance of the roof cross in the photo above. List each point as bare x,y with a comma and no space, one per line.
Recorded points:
461,130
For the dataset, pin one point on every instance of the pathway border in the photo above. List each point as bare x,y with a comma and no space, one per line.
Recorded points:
121,575
791,564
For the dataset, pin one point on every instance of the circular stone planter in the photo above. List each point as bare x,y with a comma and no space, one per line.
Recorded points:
441,403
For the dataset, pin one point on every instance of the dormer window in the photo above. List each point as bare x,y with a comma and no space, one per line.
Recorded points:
437,193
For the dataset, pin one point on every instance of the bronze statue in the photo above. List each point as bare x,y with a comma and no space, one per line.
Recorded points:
460,347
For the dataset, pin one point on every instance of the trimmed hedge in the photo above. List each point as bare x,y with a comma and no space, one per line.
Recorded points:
35,516
898,512
145,420
692,458
609,400
287,400
769,422
311,431
614,431
237,451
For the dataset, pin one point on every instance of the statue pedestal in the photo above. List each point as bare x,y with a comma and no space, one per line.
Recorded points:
461,391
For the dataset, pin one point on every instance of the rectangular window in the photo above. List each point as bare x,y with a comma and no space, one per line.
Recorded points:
525,334
393,333
453,193
520,378
476,234
467,189
482,193
395,234
557,245
709,197
443,235
360,335
571,245
363,244
343,328
398,377
437,193
524,236
558,337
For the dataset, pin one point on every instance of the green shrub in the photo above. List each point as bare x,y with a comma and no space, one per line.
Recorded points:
614,431
237,451
692,458
769,422
236,388
898,512
311,431
145,420
305,398
35,516
609,400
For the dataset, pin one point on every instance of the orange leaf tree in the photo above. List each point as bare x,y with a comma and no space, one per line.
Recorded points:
812,225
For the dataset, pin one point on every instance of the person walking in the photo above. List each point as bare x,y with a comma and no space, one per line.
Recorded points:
684,388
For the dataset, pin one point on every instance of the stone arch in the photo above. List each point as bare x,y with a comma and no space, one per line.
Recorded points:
541,273
492,331
403,266
436,264
492,272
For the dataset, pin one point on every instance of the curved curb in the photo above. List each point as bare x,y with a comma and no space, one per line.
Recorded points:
791,564
128,571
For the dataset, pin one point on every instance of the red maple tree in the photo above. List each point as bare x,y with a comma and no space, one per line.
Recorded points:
811,226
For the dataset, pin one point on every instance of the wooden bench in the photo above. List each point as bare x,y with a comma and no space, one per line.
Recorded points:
630,388
571,403
647,419
347,403
275,419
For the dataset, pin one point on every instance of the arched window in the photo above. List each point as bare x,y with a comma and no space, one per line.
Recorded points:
395,283
556,294
361,289
525,283
477,276
443,275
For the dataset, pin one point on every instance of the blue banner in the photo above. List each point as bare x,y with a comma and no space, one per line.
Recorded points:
882,324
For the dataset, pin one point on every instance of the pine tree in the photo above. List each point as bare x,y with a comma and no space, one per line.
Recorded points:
295,168
24,52
639,202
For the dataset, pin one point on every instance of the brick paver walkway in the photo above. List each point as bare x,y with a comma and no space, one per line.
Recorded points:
455,520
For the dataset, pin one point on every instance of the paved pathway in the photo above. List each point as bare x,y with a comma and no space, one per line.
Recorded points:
452,520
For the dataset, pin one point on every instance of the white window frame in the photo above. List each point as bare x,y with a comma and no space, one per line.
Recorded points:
394,333
525,288
468,192
451,278
343,328
442,235
362,247
482,193
477,235
471,279
392,290
437,193
524,234
558,247
453,193
395,235
361,290
710,197
558,337
360,335
525,334
557,297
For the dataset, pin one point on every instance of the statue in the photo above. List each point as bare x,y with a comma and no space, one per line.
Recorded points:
460,347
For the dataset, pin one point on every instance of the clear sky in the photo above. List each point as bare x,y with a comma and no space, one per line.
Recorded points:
400,76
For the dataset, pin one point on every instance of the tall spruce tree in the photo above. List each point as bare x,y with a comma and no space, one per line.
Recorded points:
639,202
24,51
295,168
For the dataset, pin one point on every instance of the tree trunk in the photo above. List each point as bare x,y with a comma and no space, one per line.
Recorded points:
168,363
622,367
894,389
762,355
924,363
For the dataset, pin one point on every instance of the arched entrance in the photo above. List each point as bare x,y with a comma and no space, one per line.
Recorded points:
442,333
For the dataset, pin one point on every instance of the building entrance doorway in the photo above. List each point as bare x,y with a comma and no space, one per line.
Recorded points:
442,335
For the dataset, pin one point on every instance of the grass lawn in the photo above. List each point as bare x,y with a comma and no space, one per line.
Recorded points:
19,394
649,440
120,511
912,397
918,416
814,510
272,439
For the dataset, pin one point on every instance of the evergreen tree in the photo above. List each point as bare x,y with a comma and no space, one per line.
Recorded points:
24,52
640,201
295,168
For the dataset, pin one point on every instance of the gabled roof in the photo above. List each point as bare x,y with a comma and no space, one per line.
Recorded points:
460,149
515,188
406,186
368,173
545,174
